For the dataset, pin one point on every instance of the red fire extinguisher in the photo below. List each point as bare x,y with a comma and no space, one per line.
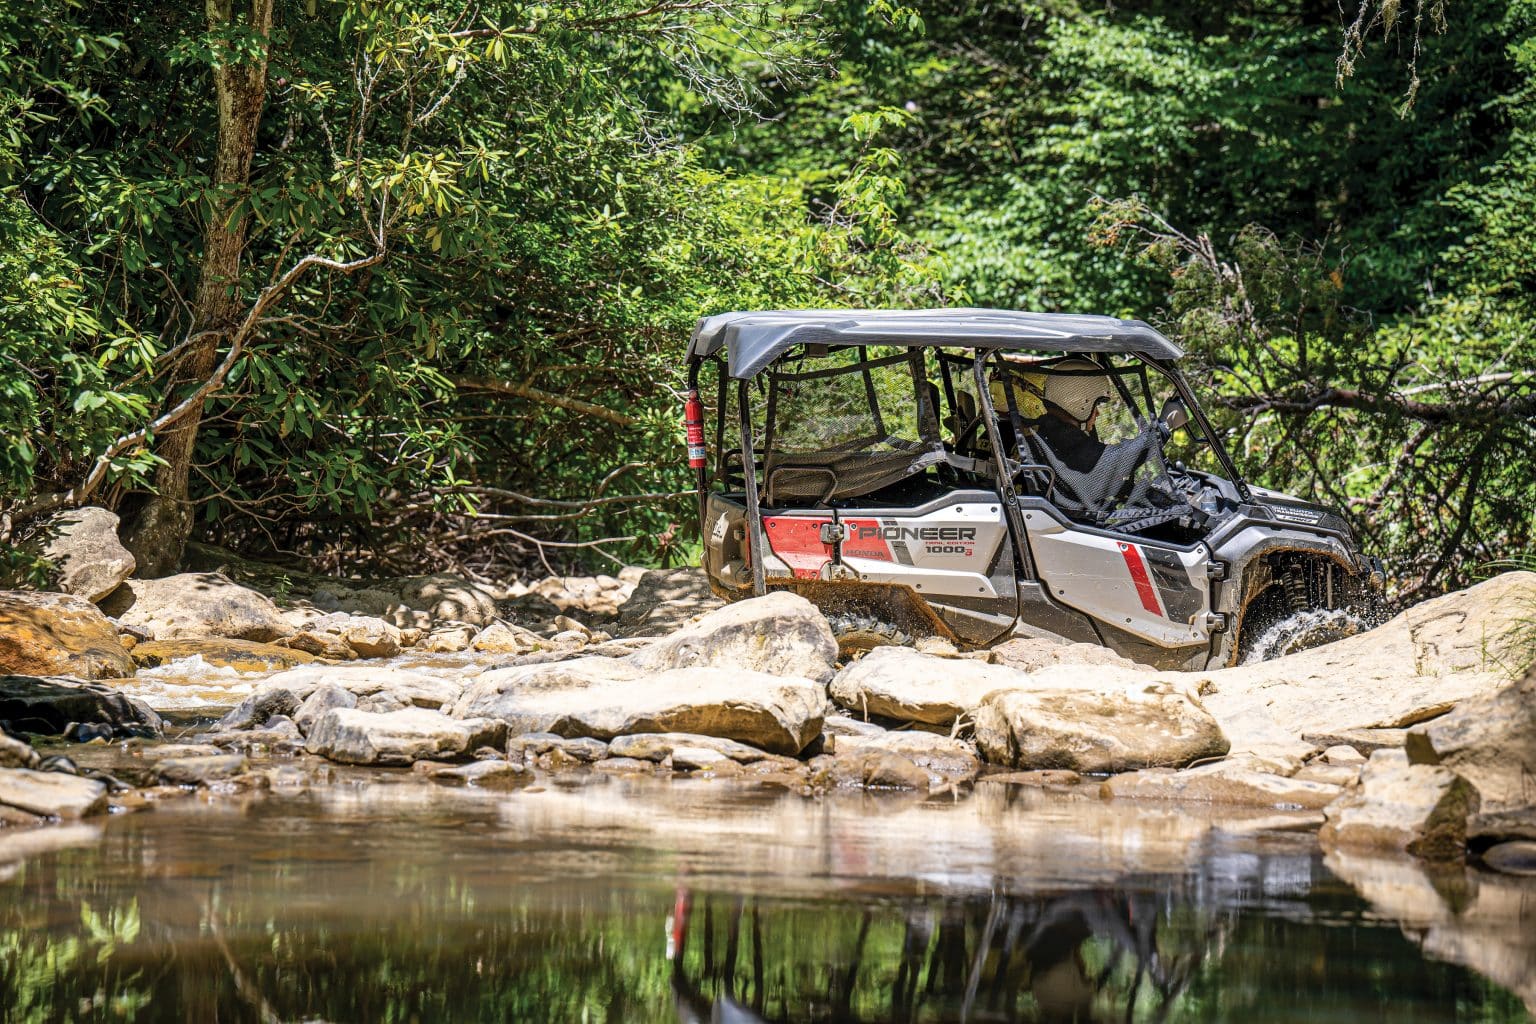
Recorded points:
693,424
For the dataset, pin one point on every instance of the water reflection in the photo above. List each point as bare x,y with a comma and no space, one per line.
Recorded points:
656,902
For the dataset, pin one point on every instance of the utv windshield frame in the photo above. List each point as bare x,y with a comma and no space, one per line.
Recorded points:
744,345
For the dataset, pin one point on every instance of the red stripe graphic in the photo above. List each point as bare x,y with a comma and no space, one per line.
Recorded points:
873,546
1144,589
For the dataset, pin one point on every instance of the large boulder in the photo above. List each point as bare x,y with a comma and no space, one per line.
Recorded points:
605,697
779,634
1113,728
1407,671
900,683
49,706
1490,741
666,599
1418,808
58,635
351,736
87,558
196,605
54,794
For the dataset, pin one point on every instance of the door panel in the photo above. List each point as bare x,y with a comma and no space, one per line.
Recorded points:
1153,591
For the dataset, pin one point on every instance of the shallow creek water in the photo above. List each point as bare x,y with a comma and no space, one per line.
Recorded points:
375,896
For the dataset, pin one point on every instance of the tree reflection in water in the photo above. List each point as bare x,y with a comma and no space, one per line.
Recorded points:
1077,957
455,915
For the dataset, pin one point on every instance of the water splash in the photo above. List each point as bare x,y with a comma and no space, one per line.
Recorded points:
1302,630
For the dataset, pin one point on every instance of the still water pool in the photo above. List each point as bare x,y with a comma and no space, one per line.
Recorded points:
621,900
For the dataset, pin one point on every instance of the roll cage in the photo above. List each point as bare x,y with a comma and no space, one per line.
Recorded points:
766,351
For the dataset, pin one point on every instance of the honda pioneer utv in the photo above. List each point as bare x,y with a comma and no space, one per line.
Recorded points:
983,474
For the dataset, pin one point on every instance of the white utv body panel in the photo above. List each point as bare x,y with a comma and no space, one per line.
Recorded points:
949,552
1154,591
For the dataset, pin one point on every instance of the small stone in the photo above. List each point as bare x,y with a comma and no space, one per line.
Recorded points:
321,644
1044,778
1343,754
200,771
181,750
657,746
531,744
484,775
381,704
325,697
17,754
54,794
15,817
451,640
624,766
257,708
1329,774
1516,857
937,646
499,638
697,758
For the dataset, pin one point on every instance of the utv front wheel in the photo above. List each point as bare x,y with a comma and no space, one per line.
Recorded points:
1299,631
859,633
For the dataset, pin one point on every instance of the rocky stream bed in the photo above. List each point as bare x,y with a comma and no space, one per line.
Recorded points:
1398,752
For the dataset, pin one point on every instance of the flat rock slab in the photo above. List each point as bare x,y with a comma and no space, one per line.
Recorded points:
903,684
605,698
1109,729
417,689
1220,784
58,635
240,655
481,774
200,771
350,736
196,605
47,706
53,794
658,747
1397,675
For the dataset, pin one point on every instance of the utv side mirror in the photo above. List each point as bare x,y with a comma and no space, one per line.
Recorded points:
1174,414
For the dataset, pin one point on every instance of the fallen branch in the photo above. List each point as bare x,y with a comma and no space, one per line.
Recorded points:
506,387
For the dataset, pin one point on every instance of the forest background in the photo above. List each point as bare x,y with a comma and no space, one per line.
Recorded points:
384,285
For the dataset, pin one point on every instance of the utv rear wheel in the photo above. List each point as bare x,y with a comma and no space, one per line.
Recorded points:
858,634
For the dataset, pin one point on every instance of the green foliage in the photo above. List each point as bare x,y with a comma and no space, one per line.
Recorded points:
562,190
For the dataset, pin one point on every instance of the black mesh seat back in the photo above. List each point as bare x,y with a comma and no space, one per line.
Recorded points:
847,424
829,476
1128,481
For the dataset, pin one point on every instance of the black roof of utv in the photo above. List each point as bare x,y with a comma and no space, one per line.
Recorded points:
754,340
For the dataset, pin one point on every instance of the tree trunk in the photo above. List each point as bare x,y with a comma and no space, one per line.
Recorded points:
160,532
